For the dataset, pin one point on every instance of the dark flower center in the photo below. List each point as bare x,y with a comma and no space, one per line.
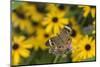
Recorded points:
47,43
40,8
20,14
35,23
15,46
61,7
87,47
73,33
55,19
35,34
46,35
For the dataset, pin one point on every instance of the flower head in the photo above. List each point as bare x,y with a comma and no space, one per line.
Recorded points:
54,22
20,48
84,50
87,10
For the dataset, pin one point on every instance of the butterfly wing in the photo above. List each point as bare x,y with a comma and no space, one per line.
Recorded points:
60,43
65,36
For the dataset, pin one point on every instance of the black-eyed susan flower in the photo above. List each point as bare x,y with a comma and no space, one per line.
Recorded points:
75,28
54,22
87,10
19,20
40,39
36,25
85,49
20,48
75,42
73,22
61,8
33,11
75,32
43,21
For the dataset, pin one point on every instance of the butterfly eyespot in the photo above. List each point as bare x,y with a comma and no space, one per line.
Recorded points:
69,39
52,43
47,43
60,47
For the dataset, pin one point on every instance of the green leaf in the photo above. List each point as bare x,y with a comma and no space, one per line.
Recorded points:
91,59
41,57
15,4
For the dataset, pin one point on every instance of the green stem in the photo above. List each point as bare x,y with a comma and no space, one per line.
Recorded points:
56,58
83,22
30,58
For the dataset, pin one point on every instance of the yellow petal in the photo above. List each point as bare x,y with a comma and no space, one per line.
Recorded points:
22,25
28,46
12,52
24,52
64,21
49,28
46,21
86,11
29,28
51,7
50,15
43,47
29,41
61,26
56,29
62,14
21,38
16,58
15,24
15,38
93,11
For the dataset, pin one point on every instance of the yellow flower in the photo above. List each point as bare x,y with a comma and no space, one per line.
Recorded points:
33,11
87,10
75,42
54,22
75,28
61,8
85,49
20,48
19,20
40,39
36,26
76,33
73,22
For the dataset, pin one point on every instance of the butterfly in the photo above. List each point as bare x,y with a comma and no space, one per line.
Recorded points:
61,43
